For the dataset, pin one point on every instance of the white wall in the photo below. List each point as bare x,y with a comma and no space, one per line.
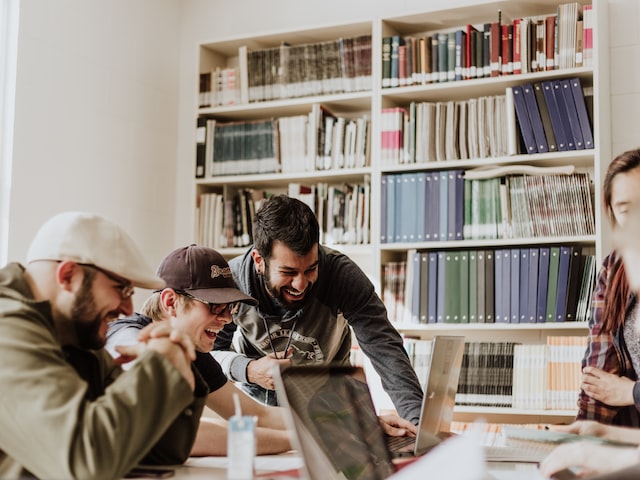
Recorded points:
106,98
96,117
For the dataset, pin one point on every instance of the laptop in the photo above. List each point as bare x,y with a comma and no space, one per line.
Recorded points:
333,415
439,398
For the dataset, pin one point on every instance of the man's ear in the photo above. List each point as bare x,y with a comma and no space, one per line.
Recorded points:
65,271
258,260
169,300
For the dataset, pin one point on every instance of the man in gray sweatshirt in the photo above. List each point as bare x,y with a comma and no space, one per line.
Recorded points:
309,296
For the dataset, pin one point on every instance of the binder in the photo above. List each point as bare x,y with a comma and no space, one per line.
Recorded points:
554,115
514,286
560,314
543,283
523,286
554,265
534,254
564,114
535,118
546,118
583,115
432,287
572,113
523,119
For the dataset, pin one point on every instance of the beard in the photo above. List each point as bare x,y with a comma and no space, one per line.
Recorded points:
86,321
276,293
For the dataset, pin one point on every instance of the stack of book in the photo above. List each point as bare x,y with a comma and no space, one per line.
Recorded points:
507,374
499,285
319,140
462,205
498,47
553,115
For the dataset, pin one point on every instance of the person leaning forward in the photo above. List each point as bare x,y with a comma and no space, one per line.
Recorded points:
310,299
68,410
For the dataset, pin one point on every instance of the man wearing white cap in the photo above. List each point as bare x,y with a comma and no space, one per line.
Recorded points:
68,410
199,298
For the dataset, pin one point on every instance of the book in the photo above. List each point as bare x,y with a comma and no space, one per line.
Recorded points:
545,117
552,286
526,129
573,284
523,293
201,146
514,286
481,282
473,286
464,287
572,113
535,118
423,294
554,115
489,286
563,114
562,284
581,108
432,287
394,71
495,56
533,282
543,284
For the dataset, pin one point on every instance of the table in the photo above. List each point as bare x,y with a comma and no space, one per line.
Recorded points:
214,468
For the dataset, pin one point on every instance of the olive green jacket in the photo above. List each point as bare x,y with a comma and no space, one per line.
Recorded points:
70,413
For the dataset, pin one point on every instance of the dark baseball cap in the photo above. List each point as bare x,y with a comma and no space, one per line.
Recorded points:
203,273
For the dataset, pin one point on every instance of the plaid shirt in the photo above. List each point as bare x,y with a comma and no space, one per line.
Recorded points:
607,352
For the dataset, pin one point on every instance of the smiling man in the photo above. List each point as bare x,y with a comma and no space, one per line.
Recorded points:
309,296
198,300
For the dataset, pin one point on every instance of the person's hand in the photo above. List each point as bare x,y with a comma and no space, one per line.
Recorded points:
396,426
588,458
582,427
260,371
173,344
606,387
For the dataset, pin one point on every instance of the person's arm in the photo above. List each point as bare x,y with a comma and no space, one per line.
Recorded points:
612,433
211,439
41,392
221,401
600,352
588,458
377,338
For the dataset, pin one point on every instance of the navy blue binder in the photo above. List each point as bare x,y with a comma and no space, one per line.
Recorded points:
532,299
523,119
543,283
563,281
514,286
554,114
524,286
583,116
535,118
572,112
564,115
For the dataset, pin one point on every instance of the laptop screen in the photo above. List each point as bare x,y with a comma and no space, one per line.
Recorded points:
334,418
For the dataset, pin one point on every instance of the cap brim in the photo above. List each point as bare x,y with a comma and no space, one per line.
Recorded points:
150,282
222,295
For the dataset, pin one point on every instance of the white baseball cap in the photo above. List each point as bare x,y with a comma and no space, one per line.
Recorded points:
88,238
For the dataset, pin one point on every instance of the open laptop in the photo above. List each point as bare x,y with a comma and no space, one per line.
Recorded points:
439,398
331,406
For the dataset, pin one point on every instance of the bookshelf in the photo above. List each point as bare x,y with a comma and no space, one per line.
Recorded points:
367,99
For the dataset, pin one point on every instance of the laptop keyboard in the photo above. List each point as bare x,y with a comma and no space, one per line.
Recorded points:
396,443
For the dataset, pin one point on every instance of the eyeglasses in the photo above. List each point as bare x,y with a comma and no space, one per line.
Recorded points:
124,287
214,308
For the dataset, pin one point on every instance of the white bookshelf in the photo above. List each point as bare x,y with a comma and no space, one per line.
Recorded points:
371,257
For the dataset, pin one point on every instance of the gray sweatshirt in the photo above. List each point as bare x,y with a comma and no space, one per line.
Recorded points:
319,333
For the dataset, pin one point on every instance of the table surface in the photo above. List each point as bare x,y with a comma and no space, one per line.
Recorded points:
214,468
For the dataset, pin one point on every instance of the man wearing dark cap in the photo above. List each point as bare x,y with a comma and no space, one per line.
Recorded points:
69,411
199,299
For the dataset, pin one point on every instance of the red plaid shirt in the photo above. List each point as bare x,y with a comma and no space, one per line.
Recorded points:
607,352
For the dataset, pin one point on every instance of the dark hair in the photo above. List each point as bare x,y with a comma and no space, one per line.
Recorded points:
287,220
617,288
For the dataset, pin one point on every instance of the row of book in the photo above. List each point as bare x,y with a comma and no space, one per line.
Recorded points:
552,115
498,285
290,71
342,212
457,206
319,140
447,130
503,47
508,374
548,116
